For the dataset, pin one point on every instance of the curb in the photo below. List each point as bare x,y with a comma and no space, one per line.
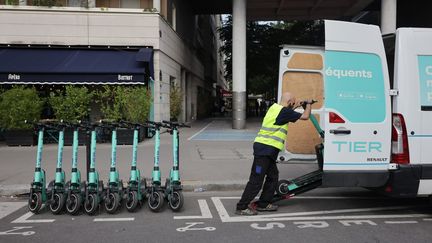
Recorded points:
188,186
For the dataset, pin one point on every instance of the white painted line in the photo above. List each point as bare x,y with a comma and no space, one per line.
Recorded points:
355,210
200,131
112,219
322,197
314,218
7,208
401,222
24,219
223,214
205,212
428,219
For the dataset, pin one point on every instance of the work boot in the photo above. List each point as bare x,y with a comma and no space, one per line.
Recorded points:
246,212
270,207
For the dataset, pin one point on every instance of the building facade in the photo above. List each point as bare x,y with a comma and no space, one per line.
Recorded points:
183,46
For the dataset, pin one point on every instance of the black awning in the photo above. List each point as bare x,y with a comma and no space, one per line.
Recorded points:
75,66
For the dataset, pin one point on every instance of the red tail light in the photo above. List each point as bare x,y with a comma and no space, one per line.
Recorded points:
400,149
335,118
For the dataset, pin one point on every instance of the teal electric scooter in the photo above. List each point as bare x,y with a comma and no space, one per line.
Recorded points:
94,188
155,192
75,188
114,190
38,192
135,191
58,199
173,187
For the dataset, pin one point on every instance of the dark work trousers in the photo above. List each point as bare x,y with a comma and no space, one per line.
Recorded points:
262,167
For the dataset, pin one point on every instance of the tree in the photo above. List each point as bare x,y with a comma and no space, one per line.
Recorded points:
263,46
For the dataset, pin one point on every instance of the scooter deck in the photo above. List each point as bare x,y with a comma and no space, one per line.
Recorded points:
305,183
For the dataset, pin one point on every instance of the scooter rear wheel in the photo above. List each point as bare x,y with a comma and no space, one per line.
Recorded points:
91,204
73,205
176,201
58,203
156,201
112,202
132,201
35,202
282,187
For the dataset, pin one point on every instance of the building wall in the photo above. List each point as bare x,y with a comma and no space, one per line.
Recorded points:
90,28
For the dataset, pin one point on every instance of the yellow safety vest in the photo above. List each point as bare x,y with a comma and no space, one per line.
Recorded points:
271,134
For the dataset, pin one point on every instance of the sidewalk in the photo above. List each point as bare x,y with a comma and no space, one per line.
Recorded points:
212,157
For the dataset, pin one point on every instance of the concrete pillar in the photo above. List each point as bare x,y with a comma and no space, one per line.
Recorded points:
157,5
239,64
388,16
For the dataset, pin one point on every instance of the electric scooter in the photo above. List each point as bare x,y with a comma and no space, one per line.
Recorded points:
173,187
114,191
38,192
75,188
58,200
135,191
155,192
290,188
94,188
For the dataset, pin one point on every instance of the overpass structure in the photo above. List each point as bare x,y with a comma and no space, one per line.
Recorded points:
266,10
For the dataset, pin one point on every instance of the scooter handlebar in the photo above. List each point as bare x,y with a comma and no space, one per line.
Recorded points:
175,124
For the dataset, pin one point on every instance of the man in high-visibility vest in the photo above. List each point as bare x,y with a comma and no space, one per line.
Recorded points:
268,143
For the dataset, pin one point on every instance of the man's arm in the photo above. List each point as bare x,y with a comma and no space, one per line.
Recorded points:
307,111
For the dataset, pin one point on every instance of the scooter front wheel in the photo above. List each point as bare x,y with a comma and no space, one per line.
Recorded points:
91,204
282,188
112,202
156,201
58,203
132,201
35,202
73,204
176,201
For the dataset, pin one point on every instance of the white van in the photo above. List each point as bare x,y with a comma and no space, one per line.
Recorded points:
378,130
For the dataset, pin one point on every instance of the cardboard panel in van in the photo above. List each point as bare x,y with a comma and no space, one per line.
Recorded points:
302,136
306,61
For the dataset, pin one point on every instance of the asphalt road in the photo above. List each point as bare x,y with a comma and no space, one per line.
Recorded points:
322,215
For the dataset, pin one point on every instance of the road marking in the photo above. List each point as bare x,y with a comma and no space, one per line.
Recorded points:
200,131
268,226
25,233
225,218
311,224
205,211
112,219
429,219
24,219
7,208
401,222
357,222
190,224
355,210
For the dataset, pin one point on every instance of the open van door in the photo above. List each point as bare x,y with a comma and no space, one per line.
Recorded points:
357,106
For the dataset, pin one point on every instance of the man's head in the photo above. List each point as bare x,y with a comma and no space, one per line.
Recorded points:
287,100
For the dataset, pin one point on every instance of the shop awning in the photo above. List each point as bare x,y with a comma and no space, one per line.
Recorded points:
75,66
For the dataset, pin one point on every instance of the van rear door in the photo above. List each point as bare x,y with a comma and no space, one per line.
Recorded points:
357,106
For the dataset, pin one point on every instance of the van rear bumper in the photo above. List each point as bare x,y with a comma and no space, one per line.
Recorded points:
355,178
404,182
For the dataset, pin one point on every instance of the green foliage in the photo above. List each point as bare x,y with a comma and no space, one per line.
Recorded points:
72,104
48,3
263,47
136,103
175,102
12,2
17,105
130,103
110,100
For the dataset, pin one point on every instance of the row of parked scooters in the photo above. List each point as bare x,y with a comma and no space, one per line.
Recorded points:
76,194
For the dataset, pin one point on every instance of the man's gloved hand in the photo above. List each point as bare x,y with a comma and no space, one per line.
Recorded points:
307,102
